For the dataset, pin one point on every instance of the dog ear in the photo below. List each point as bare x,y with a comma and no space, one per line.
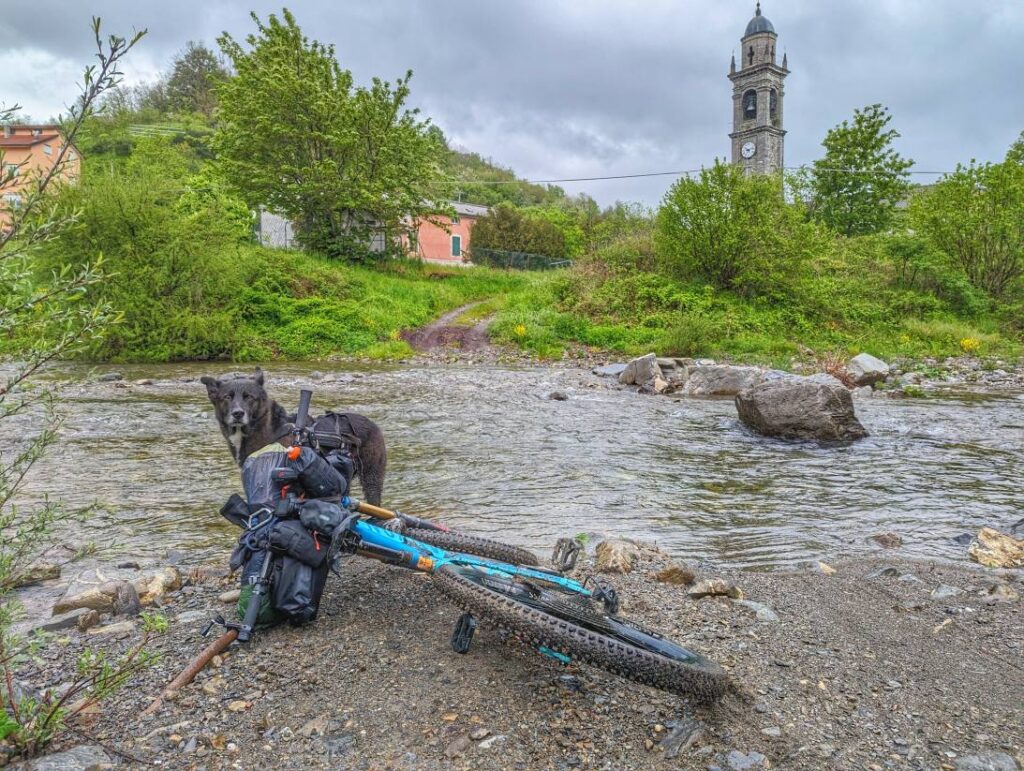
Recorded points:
258,376
212,384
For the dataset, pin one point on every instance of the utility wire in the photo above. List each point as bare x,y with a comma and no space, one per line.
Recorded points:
686,172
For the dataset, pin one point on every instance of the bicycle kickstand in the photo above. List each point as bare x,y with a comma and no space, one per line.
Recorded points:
465,627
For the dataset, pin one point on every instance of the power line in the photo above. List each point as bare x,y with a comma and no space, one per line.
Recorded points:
686,172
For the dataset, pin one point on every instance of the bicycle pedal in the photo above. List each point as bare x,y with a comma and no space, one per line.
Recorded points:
608,596
565,554
462,637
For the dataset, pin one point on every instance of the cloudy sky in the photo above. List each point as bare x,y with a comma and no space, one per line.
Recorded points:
584,88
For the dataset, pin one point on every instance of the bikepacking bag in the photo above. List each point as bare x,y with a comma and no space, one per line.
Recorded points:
297,578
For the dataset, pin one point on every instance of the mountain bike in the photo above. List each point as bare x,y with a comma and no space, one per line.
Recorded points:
548,610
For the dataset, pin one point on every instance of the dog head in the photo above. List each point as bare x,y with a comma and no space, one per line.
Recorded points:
241,402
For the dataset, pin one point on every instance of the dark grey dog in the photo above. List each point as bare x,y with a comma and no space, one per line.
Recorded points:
250,420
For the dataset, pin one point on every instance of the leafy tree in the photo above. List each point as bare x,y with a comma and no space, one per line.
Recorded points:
511,229
42,319
855,187
171,237
976,216
191,86
345,163
732,230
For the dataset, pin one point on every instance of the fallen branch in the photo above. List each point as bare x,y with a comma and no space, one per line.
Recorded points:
194,668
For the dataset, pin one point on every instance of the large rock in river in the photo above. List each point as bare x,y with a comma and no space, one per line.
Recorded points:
641,371
865,369
796,408
721,380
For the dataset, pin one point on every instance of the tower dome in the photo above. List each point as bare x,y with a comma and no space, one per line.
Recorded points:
758,24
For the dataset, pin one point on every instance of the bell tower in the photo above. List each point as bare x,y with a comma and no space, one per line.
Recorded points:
757,134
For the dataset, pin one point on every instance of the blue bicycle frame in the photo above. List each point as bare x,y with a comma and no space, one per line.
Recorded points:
380,543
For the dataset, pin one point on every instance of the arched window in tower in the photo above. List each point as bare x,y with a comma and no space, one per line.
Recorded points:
773,105
750,54
750,105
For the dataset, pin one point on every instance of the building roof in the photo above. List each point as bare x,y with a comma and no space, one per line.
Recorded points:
469,209
758,24
26,140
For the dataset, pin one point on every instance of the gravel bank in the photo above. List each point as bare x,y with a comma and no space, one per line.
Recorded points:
863,669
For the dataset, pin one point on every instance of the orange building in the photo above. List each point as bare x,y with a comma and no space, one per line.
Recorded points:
447,240
28,152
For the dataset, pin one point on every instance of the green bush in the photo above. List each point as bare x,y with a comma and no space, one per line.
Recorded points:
734,231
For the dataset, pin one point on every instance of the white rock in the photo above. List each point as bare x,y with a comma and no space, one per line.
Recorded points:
865,369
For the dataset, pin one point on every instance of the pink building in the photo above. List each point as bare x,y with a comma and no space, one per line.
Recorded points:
447,240
27,152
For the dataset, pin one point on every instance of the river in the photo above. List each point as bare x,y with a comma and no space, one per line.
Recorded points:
486,449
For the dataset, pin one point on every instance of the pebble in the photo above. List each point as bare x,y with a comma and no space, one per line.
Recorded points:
231,595
558,396
944,592
479,733
988,761
773,731
738,761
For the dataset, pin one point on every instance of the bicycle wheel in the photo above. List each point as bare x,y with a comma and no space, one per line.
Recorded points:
575,626
472,544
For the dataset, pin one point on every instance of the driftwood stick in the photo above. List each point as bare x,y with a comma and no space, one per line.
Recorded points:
194,668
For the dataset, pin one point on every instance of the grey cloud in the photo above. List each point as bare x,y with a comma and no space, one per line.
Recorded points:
588,87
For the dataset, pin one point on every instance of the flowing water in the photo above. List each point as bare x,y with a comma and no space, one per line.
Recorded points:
484,448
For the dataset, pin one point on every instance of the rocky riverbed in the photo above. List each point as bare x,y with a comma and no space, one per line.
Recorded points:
865,664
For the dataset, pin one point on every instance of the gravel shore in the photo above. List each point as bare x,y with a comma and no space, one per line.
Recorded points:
868,667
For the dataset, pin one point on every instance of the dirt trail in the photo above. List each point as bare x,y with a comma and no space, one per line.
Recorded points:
443,333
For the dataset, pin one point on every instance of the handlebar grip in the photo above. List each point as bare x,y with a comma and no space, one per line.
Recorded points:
374,511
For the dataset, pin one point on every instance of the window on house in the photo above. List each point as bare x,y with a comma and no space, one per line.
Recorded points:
414,242
36,132
456,246
47,150
455,219
10,170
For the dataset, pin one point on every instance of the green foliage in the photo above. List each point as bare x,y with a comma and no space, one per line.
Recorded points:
345,163
976,216
482,181
511,229
45,315
855,187
191,86
733,230
172,239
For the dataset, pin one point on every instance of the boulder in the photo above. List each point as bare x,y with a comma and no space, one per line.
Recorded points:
996,550
886,540
987,761
153,587
715,587
110,377
616,555
865,369
36,573
721,380
666,363
675,574
102,588
642,370
86,757
761,611
113,630
62,621
609,370
796,409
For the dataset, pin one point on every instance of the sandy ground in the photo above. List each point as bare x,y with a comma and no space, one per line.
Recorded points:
861,671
